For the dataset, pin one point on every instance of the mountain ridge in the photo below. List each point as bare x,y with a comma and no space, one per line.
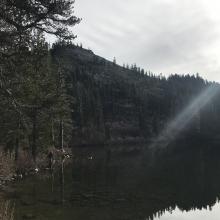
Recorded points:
118,105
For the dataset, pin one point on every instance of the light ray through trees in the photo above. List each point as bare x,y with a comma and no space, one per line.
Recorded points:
180,122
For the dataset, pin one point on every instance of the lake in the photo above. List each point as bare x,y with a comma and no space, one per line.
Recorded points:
181,182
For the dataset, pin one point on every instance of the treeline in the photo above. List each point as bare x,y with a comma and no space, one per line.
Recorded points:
115,104
66,95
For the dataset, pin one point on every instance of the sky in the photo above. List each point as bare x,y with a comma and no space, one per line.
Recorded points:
162,36
192,215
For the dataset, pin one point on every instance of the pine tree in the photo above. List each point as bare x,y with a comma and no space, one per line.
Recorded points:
22,16
114,61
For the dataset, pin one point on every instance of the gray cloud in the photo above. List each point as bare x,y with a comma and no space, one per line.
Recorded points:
168,36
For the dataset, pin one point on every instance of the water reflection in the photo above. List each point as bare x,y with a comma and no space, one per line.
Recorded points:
127,184
6,209
62,181
210,214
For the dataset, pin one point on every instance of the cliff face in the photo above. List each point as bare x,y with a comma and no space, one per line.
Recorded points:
113,104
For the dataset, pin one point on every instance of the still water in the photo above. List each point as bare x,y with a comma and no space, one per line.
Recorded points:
125,183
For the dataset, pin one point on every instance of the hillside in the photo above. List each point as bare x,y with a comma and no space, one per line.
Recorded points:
114,104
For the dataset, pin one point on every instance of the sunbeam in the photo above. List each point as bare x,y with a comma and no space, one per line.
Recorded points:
176,126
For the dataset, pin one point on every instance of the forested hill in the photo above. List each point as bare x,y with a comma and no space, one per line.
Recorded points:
114,104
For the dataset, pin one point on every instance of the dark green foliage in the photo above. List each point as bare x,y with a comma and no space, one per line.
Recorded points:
68,95
21,16
119,105
34,102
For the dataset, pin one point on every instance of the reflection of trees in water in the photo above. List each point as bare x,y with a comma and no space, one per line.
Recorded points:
116,185
146,185
61,179
188,179
6,210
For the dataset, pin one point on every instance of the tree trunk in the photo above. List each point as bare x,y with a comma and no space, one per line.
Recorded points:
34,137
17,140
52,133
16,148
61,135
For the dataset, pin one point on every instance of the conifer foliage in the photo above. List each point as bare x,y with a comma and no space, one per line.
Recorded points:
34,106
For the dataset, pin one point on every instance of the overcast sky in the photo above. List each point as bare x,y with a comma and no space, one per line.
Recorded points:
164,36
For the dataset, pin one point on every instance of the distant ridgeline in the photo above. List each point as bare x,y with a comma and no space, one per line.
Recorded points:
114,104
